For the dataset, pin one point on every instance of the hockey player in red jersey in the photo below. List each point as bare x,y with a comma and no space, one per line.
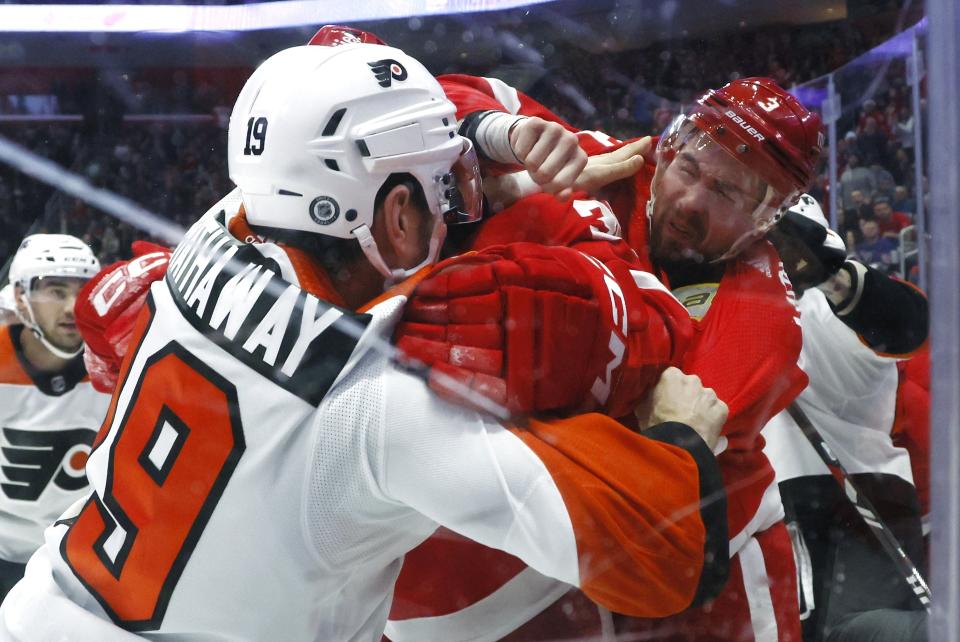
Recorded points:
723,175
256,420
911,428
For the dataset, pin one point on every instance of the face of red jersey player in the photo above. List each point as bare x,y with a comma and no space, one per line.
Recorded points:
727,170
705,201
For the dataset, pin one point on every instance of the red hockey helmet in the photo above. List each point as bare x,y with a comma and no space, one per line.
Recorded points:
761,128
765,128
335,35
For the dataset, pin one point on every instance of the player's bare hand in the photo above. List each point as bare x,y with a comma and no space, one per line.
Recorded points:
683,398
603,169
550,154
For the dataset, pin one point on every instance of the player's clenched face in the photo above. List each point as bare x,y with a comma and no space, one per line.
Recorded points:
52,300
704,201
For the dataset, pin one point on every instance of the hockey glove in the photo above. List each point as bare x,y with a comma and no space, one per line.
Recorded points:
538,329
811,252
107,309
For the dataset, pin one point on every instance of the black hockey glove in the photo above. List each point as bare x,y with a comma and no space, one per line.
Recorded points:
811,252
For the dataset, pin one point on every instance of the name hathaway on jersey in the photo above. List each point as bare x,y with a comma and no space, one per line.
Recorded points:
233,295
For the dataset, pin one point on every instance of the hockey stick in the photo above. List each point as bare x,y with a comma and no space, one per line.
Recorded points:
881,531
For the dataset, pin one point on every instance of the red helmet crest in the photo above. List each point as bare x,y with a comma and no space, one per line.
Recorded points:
334,36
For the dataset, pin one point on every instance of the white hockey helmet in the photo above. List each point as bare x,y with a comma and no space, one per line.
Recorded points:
41,255
46,255
317,130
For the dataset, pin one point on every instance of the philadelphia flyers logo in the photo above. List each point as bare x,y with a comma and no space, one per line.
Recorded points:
387,70
33,459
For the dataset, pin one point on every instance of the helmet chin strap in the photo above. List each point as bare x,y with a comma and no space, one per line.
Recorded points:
34,327
394,275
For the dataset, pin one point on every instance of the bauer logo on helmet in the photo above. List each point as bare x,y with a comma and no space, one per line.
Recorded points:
745,125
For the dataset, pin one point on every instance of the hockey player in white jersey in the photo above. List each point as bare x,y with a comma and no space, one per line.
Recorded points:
264,466
856,323
49,413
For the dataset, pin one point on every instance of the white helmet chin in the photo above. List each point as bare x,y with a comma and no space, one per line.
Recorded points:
48,255
317,130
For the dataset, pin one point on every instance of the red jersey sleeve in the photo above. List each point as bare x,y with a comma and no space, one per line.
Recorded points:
473,93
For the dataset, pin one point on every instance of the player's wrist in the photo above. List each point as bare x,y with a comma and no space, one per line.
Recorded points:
492,136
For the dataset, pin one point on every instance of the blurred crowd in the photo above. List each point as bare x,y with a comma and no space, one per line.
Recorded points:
176,171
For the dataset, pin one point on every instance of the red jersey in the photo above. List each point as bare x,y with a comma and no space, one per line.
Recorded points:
746,348
911,428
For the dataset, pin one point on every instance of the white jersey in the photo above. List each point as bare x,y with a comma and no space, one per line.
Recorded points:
851,400
47,423
267,467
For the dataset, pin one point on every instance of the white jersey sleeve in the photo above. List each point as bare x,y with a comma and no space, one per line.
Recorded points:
851,400
474,476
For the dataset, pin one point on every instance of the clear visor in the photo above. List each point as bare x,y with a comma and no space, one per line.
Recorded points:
735,186
54,289
736,193
459,191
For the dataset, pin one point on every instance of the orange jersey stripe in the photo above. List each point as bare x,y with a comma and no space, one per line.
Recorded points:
11,370
136,338
640,536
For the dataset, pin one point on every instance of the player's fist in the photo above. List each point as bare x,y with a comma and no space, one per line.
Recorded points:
550,153
683,398
107,308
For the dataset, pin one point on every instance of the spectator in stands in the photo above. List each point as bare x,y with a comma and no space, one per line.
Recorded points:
885,182
903,130
873,143
849,144
902,166
890,222
902,202
870,110
849,223
855,177
876,250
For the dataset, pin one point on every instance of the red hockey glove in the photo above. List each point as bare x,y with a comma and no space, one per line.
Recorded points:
538,329
107,308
